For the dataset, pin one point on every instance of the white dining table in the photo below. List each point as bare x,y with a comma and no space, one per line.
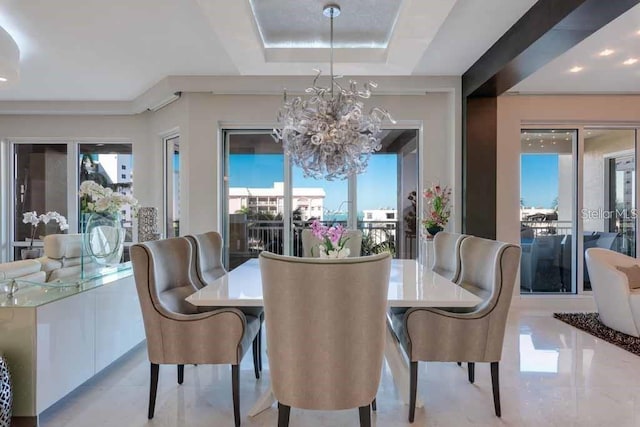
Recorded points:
410,285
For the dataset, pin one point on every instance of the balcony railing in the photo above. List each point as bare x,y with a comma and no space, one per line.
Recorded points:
250,237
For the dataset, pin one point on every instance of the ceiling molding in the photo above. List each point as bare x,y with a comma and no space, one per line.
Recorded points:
68,107
168,89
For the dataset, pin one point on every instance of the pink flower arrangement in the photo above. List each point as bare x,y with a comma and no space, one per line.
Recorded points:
333,240
438,206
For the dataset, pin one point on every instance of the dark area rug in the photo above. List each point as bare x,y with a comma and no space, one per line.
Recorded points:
590,323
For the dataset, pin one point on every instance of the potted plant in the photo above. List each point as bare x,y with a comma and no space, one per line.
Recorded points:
35,220
437,208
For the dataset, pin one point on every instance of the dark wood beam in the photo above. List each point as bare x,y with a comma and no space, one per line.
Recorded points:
547,30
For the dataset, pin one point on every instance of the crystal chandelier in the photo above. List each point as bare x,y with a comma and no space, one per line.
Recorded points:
329,135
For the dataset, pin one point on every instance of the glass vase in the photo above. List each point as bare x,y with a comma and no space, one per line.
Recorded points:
103,237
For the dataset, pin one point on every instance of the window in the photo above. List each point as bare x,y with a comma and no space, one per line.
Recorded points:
101,163
268,202
123,167
172,186
40,185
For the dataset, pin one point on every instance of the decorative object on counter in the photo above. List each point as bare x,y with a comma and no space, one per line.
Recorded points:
103,237
437,208
148,224
35,220
6,394
329,135
333,240
101,223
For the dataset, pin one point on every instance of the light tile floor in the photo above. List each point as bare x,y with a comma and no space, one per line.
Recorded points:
551,375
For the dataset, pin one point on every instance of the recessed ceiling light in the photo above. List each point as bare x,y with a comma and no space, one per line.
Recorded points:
3,79
630,61
606,52
575,69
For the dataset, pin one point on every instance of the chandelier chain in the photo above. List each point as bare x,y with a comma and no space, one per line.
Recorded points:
331,52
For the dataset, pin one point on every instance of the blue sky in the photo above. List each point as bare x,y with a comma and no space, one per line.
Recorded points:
539,179
377,187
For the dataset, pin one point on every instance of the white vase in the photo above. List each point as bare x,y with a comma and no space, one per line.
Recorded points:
335,254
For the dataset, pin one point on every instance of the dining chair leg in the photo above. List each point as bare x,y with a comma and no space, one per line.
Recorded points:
256,363
471,366
374,407
235,387
495,383
260,341
180,374
283,415
413,387
365,416
153,389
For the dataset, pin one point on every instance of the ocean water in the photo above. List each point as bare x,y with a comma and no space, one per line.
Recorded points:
342,216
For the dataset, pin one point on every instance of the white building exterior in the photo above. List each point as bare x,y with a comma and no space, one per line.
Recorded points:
380,215
118,168
310,201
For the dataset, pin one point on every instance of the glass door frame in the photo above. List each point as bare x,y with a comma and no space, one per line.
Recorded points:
577,261
227,128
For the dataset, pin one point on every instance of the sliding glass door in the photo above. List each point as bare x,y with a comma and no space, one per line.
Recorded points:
547,210
268,202
574,183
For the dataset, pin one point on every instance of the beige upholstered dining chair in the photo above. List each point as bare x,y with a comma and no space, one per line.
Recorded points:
489,270
310,243
325,323
446,248
207,267
208,264
176,332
